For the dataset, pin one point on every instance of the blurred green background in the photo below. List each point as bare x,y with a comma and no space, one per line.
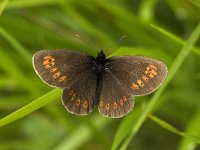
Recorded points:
27,26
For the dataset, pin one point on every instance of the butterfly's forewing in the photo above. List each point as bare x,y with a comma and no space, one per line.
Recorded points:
58,68
72,71
131,76
141,75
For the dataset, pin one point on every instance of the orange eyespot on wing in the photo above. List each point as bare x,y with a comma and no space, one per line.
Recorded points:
153,66
85,104
53,70
56,75
140,83
145,78
107,106
124,98
134,86
48,61
62,78
115,105
77,102
121,102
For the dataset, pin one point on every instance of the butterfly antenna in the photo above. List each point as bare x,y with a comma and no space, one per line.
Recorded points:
109,50
122,38
86,43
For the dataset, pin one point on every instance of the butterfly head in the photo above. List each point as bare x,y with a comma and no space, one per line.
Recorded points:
99,63
101,56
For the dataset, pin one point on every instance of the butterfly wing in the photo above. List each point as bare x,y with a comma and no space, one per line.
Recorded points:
58,68
142,75
72,71
126,77
79,97
115,98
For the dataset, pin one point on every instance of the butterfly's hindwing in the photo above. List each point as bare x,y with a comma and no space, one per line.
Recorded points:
79,97
115,99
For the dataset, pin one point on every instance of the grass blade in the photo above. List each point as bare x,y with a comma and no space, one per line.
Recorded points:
192,128
38,103
170,128
195,2
35,3
147,9
82,134
175,38
3,6
164,124
86,24
16,45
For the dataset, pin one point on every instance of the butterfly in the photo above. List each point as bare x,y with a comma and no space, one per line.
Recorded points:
109,83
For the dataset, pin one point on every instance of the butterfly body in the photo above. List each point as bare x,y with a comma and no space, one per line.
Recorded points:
100,65
111,83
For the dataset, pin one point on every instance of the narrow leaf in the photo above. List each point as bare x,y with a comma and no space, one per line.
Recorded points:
3,5
172,129
175,38
16,45
38,103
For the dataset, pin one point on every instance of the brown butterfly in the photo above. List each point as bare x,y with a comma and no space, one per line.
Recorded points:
109,83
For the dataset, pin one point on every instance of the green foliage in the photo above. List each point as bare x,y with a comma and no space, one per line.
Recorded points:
165,30
174,130
31,107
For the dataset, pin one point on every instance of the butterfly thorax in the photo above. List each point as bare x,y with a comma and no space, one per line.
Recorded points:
99,62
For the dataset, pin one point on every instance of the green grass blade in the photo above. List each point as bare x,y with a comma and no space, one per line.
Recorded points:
192,128
133,28
172,129
87,25
175,38
82,134
15,72
16,45
147,8
38,103
195,2
122,131
3,5
194,138
164,124
31,3
172,71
